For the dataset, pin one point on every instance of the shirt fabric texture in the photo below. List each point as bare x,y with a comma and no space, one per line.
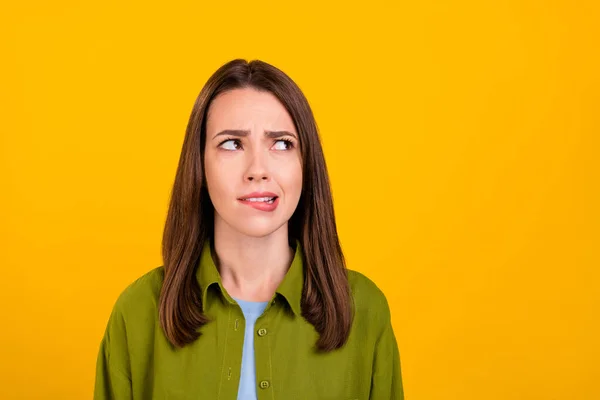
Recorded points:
136,361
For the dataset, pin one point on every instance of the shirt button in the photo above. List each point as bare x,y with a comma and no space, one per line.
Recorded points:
264,384
262,332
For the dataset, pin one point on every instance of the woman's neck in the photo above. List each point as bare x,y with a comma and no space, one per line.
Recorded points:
252,268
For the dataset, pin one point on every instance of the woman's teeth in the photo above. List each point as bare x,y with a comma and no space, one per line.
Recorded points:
263,199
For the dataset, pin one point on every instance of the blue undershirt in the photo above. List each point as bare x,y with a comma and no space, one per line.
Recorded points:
252,310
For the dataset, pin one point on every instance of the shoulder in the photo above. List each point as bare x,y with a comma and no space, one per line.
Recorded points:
132,320
140,297
365,291
368,298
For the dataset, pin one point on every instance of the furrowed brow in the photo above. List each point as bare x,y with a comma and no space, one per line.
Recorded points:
232,132
276,134
244,133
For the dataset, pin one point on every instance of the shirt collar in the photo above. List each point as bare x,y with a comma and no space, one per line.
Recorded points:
290,287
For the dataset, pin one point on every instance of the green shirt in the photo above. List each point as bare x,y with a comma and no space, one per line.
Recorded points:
136,361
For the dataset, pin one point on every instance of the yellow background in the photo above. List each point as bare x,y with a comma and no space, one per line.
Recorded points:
462,139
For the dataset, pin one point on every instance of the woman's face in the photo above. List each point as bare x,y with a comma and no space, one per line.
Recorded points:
260,153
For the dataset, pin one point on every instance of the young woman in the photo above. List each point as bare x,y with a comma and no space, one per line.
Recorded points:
254,300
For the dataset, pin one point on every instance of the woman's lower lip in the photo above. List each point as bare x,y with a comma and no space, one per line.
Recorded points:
261,205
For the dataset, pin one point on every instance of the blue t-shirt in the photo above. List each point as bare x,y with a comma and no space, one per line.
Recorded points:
252,310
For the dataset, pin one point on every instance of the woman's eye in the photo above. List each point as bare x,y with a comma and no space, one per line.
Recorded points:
286,144
234,144
230,146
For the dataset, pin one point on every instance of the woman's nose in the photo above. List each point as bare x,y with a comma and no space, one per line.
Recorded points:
258,166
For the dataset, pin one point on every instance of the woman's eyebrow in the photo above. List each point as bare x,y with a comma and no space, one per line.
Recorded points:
243,133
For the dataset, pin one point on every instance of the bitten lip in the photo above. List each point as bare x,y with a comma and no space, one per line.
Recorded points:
258,194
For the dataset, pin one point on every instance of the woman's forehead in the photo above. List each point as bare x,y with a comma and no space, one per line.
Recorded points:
248,109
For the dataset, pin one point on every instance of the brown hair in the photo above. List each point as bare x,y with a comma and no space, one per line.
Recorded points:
326,298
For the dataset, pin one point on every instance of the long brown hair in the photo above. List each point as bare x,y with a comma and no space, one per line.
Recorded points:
326,298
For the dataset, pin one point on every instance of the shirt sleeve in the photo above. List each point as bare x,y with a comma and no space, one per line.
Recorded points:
113,377
386,383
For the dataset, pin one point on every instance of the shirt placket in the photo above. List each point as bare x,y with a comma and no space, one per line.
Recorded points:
263,335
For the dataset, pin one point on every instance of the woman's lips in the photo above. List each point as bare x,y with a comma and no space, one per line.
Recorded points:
261,205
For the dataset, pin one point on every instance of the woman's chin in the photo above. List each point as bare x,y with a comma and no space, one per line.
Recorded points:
257,229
